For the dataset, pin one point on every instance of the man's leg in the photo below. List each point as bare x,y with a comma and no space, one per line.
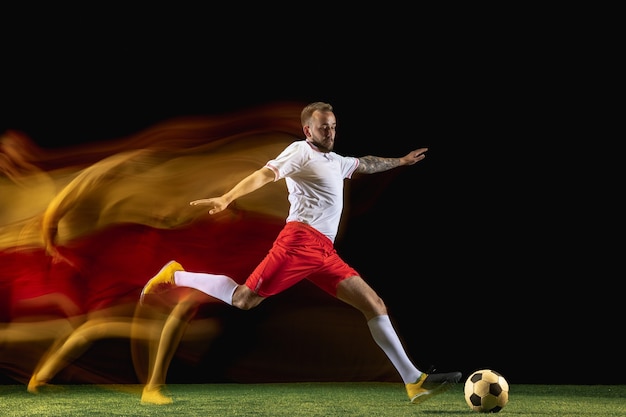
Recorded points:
217,286
419,385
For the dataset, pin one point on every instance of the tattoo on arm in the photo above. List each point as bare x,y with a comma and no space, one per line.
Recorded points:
372,164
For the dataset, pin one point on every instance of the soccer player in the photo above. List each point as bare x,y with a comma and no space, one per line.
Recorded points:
304,248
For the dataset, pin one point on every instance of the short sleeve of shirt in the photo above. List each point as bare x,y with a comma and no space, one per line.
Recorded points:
288,161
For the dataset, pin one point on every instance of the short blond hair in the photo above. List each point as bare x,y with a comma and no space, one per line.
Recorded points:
308,111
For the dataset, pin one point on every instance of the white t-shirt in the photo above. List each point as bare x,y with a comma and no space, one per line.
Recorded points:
315,184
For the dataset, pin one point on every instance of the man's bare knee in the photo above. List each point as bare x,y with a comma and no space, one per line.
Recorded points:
245,299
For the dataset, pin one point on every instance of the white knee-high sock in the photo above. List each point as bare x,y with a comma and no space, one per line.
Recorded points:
218,286
386,337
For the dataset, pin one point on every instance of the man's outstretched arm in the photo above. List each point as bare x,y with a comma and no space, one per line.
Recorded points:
251,183
372,164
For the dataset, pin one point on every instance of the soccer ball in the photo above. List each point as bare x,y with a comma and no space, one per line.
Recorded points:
486,391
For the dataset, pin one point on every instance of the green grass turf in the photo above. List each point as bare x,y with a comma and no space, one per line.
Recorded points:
324,399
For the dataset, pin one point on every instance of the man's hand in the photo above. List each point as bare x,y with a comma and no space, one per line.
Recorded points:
216,204
413,156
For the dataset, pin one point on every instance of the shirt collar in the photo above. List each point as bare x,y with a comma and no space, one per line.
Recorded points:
313,146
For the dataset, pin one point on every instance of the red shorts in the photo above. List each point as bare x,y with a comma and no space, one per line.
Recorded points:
299,252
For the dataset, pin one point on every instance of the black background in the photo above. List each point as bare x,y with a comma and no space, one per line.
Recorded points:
496,248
